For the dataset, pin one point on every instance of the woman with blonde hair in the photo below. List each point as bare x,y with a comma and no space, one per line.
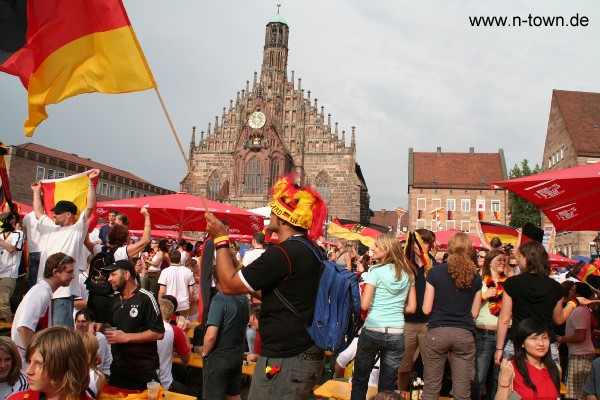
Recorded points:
58,366
97,378
389,293
344,257
11,378
453,298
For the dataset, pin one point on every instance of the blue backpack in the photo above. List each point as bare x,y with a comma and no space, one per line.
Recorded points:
337,308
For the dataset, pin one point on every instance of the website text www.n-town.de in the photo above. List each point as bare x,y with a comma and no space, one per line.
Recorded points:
530,20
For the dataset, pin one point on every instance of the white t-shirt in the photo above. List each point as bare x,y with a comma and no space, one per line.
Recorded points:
33,306
105,353
21,384
177,280
120,253
66,239
33,236
580,318
184,257
9,262
165,356
251,255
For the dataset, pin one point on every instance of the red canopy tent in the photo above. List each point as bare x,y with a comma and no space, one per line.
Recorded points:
181,212
568,197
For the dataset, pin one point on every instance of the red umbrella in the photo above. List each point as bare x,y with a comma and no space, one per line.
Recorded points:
568,197
442,238
558,261
161,234
181,212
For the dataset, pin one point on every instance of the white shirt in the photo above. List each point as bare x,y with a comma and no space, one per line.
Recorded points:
9,262
6,389
105,353
165,356
33,236
33,306
120,253
251,255
66,239
177,280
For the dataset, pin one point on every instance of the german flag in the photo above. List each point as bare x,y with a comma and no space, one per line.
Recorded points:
507,234
587,273
352,230
62,48
72,188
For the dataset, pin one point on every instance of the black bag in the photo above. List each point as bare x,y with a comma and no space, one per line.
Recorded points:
97,281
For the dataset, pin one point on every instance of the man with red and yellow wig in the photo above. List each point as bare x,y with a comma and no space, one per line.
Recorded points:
292,269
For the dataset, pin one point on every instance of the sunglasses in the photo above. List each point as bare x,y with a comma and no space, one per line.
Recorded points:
480,256
512,265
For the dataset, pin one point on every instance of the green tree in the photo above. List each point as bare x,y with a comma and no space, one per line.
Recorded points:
521,210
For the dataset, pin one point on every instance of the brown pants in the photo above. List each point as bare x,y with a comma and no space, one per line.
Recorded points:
457,345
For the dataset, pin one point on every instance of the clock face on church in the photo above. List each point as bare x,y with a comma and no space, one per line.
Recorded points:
257,120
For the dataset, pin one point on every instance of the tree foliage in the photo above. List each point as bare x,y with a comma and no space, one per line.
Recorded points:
521,210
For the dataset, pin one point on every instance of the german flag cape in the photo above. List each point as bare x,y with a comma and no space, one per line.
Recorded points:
62,48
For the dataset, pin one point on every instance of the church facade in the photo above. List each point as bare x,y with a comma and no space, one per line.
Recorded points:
271,129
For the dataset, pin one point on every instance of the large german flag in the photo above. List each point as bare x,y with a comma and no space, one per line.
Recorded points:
62,48
353,230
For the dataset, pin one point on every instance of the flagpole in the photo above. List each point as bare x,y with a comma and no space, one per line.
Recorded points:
185,159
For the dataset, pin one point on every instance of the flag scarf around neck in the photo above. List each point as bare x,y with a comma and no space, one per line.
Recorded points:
415,239
71,47
72,188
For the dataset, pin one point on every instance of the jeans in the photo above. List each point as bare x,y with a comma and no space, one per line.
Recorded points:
33,265
250,337
62,311
457,345
298,375
390,347
485,346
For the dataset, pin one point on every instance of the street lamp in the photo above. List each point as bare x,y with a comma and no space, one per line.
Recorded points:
597,244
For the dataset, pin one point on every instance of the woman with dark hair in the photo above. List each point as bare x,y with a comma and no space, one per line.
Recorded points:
493,277
11,378
453,298
532,294
155,265
532,373
58,366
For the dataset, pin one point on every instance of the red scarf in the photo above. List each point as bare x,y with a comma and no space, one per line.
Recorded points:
495,303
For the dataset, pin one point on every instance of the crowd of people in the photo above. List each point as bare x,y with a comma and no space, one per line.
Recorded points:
112,312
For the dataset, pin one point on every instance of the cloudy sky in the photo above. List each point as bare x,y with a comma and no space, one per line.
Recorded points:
405,73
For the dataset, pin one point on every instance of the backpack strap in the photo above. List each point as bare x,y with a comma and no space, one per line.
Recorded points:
308,244
289,306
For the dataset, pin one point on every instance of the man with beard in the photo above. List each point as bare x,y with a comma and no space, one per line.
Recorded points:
137,319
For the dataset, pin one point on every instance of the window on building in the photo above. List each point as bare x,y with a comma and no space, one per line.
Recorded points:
434,226
213,185
495,205
60,175
104,191
112,191
465,205
421,224
323,186
275,173
450,224
120,192
436,203
421,203
465,226
253,177
450,205
132,194
51,173
40,173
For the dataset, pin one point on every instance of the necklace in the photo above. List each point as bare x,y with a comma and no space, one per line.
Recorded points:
123,300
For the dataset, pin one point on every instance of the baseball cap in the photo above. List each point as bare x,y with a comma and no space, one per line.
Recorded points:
65,206
121,264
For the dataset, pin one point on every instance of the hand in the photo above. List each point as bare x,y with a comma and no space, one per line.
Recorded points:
115,337
144,212
95,327
183,323
498,356
36,187
214,227
506,373
586,302
94,174
491,292
252,357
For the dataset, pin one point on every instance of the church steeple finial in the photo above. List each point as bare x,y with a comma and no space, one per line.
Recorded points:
278,6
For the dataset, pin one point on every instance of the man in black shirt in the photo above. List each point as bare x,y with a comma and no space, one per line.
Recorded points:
136,316
291,361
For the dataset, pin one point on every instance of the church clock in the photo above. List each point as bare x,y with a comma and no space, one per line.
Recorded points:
257,120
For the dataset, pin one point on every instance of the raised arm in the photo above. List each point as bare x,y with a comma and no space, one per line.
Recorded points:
134,249
91,195
38,207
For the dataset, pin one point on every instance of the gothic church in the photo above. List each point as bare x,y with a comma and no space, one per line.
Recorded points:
273,128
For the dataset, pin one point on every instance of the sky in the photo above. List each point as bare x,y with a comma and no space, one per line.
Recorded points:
405,73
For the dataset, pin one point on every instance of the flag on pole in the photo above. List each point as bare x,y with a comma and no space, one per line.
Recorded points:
497,215
507,234
438,217
62,48
352,230
72,188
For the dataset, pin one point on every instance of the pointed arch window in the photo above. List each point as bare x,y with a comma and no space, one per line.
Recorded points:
253,177
323,185
274,172
213,185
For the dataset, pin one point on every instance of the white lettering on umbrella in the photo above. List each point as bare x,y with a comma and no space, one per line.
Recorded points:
159,226
568,214
255,227
549,192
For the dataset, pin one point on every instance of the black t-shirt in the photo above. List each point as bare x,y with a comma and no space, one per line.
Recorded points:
451,306
137,314
294,270
420,283
533,296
